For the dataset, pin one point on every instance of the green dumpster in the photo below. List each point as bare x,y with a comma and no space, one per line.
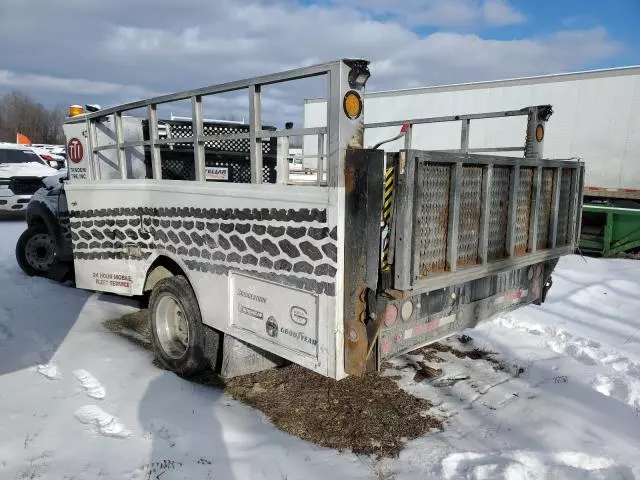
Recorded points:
609,230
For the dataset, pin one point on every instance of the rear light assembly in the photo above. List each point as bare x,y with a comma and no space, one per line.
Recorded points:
406,310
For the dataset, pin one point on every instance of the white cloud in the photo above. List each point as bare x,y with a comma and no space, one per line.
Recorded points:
27,81
453,56
499,12
444,13
122,50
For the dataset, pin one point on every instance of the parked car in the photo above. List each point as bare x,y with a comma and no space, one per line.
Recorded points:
51,157
295,164
21,174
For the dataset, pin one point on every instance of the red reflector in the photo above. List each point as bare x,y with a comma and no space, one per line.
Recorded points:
536,289
538,271
390,315
405,128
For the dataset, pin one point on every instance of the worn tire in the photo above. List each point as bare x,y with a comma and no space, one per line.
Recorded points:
29,264
182,348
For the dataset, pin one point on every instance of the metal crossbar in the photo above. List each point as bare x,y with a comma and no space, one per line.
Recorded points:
465,128
451,118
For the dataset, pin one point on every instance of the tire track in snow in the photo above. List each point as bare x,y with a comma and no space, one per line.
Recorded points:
623,385
530,464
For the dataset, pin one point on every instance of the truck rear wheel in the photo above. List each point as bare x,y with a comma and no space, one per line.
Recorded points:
36,251
177,332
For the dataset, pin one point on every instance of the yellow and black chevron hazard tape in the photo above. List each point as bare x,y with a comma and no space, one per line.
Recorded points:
387,206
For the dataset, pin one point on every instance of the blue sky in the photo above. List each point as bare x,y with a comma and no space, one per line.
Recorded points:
120,50
620,18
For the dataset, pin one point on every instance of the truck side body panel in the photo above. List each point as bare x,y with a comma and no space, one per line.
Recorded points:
238,247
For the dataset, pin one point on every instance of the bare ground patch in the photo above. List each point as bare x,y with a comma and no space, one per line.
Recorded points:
133,326
430,353
369,415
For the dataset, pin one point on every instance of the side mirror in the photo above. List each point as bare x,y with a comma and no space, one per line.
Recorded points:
53,164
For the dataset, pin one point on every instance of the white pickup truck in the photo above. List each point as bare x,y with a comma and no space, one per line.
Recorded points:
21,174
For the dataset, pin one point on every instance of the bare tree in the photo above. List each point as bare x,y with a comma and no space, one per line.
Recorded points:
20,113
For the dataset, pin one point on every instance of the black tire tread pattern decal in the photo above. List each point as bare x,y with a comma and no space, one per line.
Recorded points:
295,247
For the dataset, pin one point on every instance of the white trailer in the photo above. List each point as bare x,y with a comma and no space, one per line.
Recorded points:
596,118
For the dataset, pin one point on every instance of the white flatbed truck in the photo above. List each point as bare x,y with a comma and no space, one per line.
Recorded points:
382,254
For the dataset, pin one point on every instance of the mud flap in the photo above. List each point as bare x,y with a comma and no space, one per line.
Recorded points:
241,358
545,289
60,271
548,281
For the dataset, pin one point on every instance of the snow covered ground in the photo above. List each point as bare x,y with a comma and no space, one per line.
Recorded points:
78,402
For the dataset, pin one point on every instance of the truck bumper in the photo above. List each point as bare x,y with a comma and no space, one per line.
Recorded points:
415,321
14,203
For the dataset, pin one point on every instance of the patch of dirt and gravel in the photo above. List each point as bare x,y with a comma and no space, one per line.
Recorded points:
133,326
369,415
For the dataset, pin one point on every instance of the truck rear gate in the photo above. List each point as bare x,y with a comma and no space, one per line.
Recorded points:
460,217
464,235
473,235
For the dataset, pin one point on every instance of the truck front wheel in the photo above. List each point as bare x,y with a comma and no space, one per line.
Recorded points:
177,332
36,251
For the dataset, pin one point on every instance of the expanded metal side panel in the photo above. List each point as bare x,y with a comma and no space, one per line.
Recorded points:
524,211
185,129
470,210
544,212
499,214
177,160
432,216
564,207
179,165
